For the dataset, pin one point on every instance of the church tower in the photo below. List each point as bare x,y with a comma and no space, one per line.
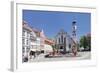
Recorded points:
74,28
74,38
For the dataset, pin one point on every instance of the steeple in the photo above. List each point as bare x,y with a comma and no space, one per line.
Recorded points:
42,34
74,28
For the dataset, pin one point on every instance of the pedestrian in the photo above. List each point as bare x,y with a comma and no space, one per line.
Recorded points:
32,53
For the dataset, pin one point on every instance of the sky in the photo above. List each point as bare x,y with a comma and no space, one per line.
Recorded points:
51,22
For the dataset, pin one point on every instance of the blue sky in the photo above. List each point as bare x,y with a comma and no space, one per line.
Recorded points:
53,21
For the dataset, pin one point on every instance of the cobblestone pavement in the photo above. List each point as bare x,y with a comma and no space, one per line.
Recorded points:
80,56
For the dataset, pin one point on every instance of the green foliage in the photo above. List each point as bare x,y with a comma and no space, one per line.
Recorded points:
85,42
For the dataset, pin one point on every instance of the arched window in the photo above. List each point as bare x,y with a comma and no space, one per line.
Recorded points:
69,45
61,38
64,40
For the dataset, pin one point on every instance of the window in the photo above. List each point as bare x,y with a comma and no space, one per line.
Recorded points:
23,33
28,34
27,42
23,41
23,50
69,45
59,40
27,49
65,40
62,38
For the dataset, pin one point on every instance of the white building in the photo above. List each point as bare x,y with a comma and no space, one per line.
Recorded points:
34,40
26,39
30,40
64,42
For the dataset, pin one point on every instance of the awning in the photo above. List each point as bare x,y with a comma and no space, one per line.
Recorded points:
33,49
48,48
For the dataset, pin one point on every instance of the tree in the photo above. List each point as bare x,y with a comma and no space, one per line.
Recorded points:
85,42
88,41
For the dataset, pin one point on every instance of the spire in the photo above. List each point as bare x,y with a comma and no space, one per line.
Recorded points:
74,28
42,34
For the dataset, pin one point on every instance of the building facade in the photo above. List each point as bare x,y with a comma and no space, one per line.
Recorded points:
64,42
31,40
34,40
26,39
